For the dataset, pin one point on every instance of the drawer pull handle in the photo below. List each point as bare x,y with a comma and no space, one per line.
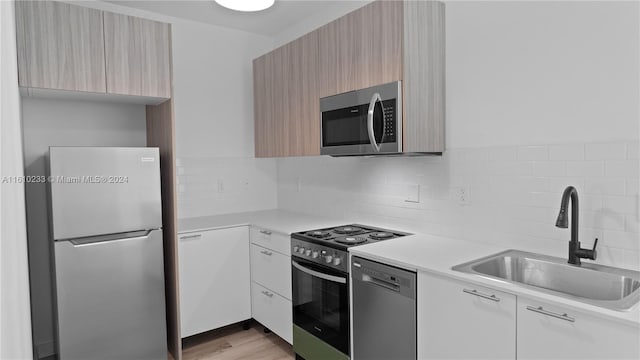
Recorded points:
265,232
268,294
265,252
190,236
541,310
484,296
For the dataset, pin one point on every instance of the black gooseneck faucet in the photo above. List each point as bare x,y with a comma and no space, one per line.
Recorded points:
575,251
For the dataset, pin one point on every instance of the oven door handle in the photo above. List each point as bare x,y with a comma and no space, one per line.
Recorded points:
317,274
372,136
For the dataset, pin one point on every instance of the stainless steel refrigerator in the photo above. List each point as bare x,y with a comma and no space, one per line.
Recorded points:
106,222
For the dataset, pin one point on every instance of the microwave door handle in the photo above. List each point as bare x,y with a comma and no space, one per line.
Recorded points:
372,136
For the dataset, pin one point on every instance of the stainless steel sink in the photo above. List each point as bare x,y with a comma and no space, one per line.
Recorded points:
600,285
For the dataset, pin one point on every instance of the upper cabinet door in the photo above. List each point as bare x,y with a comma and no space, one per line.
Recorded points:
138,58
362,48
286,105
60,46
270,125
302,105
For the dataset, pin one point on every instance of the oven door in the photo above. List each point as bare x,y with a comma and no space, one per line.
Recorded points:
321,303
362,122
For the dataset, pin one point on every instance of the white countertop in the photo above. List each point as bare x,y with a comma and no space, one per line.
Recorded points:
281,221
435,254
427,253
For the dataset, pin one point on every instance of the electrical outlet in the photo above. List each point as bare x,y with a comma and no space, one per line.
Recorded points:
245,184
298,184
462,195
220,186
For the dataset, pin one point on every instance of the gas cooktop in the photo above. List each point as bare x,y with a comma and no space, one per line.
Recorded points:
328,247
342,237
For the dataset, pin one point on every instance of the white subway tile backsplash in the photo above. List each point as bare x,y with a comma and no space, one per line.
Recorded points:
515,194
549,169
622,168
602,220
632,224
528,153
633,186
606,151
585,168
633,150
503,153
605,186
571,152
620,204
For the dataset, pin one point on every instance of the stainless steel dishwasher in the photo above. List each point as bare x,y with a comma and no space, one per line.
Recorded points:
384,311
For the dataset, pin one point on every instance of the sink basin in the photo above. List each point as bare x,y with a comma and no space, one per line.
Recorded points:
600,285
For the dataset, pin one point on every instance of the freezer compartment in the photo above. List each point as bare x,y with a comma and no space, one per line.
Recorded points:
110,298
103,190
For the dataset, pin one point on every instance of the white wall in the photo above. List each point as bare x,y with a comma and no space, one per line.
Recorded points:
540,95
15,316
541,72
213,89
63,123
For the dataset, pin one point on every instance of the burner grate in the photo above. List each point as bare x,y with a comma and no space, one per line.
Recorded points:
347,230
351,240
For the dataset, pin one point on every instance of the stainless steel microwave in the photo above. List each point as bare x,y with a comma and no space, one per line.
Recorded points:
362,122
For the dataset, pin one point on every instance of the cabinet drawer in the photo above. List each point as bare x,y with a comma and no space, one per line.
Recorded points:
272,311
548,331
271,240
214,279
271,269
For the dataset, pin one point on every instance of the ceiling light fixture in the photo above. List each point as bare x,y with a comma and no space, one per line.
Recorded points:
246,5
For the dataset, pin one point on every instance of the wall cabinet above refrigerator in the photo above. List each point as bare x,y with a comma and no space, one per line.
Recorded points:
382,42
78,49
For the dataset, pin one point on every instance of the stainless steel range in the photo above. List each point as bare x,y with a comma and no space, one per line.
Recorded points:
320,278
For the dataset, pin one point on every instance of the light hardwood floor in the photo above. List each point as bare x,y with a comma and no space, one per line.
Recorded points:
234,343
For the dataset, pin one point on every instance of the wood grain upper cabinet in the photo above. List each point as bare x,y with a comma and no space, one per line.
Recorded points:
60,46
362,48
138,59
286,100
382,42
270,127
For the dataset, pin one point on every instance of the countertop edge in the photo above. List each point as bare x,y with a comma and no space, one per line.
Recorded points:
513,289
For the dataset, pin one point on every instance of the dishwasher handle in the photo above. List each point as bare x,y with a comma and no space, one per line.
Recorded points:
380,282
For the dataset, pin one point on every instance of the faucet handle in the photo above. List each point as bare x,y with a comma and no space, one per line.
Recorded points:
594,253
588,253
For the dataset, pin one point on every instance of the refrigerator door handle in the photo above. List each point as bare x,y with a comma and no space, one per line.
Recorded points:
94,240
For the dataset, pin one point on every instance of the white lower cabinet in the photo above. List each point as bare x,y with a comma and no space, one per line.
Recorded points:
214,279
552,332
271,281
457,320
272,311
271,269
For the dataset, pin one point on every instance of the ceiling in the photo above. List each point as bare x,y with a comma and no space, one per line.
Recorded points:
282,15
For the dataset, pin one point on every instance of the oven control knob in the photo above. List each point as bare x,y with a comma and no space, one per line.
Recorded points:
295,248
337,261
301,250
314,254
307,252
328,259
